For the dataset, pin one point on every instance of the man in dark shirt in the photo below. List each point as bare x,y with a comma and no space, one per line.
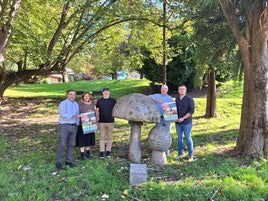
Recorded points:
185,109
104,109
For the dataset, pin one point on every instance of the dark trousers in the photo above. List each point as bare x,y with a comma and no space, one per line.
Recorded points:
67,135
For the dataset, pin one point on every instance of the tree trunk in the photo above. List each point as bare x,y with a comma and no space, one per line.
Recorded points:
8,78
253,134
8,12
114,76
211,94
63,77
4,84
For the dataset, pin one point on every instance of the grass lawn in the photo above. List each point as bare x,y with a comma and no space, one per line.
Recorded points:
118,88
28,137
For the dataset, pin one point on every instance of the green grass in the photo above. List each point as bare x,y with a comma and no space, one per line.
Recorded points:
232,89
118,88
214,174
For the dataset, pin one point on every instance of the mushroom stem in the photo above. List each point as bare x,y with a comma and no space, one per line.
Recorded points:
134,154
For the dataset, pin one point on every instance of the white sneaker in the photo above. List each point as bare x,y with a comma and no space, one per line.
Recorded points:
191,158
179,157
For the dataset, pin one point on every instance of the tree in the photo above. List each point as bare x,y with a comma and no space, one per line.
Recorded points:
8,11
253,135
68,28
121,47
213,43
248,21
109,55
180,69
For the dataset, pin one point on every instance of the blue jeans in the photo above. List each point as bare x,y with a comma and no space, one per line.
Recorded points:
162,122
186,130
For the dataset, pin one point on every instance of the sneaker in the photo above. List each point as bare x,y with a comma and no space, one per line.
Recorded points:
59,166
108,154
70,164
191,158
101,154
180,157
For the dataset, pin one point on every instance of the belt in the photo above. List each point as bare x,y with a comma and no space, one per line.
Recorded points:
69,124
162,116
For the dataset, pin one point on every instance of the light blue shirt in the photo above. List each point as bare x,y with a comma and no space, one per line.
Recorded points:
164,98
67,109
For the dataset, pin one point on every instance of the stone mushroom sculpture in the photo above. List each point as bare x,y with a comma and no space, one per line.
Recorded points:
159,140
136,108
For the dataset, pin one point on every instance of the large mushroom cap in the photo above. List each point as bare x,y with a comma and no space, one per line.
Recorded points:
136,107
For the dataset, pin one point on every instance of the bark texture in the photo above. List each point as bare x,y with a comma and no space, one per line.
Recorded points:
211,94
252,42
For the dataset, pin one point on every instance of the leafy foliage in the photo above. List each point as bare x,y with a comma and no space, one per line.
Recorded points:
180,69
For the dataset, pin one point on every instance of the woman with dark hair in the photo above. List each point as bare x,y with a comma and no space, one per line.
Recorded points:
85,141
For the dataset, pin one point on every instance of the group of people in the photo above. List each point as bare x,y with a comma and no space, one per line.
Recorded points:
71,132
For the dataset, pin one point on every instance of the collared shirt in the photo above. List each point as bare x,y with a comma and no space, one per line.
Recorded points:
184,106
164,98
67,109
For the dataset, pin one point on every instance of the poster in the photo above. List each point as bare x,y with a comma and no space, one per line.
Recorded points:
89,123
170,111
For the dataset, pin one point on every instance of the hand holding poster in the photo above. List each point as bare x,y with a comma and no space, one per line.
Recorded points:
89,123
170,111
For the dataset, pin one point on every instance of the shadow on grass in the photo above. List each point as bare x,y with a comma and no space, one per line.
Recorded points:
30,139
35,145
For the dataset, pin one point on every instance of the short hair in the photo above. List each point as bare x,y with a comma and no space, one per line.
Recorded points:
182,85
69,90
164,85
105,89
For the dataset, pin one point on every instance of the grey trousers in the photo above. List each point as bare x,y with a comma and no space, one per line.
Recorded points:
67,136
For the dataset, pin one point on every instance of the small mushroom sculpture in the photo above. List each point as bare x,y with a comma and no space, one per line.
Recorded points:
136,108
159,140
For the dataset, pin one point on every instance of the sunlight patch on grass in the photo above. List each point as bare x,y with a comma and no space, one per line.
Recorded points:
118,88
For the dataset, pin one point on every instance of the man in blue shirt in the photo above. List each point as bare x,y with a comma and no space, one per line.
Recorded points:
160,99
185,109
68,121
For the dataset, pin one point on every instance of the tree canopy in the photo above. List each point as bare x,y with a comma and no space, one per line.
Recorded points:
45,42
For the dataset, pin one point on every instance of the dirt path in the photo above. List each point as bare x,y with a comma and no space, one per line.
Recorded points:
23,112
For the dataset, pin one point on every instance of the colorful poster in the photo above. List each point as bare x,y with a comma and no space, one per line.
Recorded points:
170,111
89,123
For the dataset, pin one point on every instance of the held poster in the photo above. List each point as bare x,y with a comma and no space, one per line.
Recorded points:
170,111
89,123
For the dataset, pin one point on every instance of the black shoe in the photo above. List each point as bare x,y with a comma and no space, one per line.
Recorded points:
60,166
101,154
70,164
88,154
108,154
82,155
